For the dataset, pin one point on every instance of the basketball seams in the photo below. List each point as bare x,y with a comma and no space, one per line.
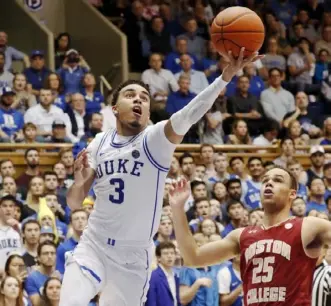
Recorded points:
233,20
225,39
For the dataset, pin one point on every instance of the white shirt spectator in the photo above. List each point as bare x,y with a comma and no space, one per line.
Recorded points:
224,280
159,81
172,283
198,80
80,124
261,141
109,119
10,243
6,79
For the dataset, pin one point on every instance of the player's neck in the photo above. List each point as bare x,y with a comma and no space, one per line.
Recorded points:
126,131
271,219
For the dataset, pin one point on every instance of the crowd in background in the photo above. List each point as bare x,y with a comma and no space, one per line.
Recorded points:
283,99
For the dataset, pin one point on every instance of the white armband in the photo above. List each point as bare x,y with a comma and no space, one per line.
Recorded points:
182,121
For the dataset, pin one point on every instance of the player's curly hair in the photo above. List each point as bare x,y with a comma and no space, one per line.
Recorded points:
124,84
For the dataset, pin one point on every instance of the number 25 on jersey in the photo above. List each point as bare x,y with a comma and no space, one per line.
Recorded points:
263,270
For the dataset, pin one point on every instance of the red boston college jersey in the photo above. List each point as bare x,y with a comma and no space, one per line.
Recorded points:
274,266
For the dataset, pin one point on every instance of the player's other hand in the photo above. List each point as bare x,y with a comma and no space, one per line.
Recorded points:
205,282
179,193
235,65
81,161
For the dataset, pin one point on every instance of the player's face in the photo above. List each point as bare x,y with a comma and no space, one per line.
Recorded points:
167,258
276,191
256,218
47,256
203,209
32,233
53,290
133,107
165,228
7,169
79,221
11,288
208,227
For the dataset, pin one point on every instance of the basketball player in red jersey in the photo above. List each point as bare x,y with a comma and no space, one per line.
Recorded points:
277,259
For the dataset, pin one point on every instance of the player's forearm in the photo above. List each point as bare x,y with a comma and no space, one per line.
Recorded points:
187,294
229,299
186,243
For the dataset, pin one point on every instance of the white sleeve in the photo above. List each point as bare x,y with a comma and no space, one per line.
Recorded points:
157,147
224,281
28,117
93,148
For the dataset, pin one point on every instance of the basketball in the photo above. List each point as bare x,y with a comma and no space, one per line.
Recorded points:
237,27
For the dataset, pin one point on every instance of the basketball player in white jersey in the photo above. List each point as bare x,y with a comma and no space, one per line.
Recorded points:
129,165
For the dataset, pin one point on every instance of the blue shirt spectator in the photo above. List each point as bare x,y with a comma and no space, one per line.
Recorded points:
320,207
34,283
177,100
205,296
93,102
212,66
60,101
284,10
66,246
62,228
37,73
11,120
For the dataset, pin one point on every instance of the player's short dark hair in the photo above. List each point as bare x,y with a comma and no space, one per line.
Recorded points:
8,197
31,221
183,156
232,159
232,181
196,183
234,202
28,151
293,180
45,243
49,173
254,158
162,246
206,145
124,84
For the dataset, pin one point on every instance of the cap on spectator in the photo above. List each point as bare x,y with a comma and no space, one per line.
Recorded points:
316,149
58,123
47,230
36,53
6,91
88,201
72,51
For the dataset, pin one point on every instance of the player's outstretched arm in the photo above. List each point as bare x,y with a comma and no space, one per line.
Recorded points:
180,122
84,177
209,254
315,233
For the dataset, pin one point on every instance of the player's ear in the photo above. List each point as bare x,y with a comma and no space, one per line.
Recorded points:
115,111
293,194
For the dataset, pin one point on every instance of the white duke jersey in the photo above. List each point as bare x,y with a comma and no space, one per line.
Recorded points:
10,242
129,184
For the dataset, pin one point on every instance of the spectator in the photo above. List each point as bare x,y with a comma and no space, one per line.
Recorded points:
35,193
177,100
239,168
326,140
210,63
78,118
240,134
30,133
7,168
10,238
37,278
72,72
219,193
195,43
234,190
171,23
52,185
32,159
230,285
59,133
272,58
207,152
108,114
256,84
308,29
61,173
150,9
24,99
198,79
244,105
325,42
235,211
6,77
31,234
203,14
10,188
297,33
11,291
269,136
15,267
296,169
78,220
316,196
275,100
317,158
287,152
11,120
44,114
172,60
284,10
67,158
187,166
322,67
220,165
47,234
159,80
94,99
298,136
165,231
164,278
158,39
62,45
11,53
51,292
37,73
95,127
299,207
54,83
202,211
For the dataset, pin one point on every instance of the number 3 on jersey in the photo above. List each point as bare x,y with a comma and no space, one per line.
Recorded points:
117,197
263,270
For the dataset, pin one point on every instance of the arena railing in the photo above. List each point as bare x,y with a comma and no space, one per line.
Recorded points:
15,152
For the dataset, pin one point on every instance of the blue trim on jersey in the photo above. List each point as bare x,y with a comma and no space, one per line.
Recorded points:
121,145
151,159
147,269
155,204
103,139
91,272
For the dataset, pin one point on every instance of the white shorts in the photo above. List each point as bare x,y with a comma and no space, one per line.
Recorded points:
121,274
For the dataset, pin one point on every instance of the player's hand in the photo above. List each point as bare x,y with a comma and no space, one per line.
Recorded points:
205,282
235,65
81,161
179,193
